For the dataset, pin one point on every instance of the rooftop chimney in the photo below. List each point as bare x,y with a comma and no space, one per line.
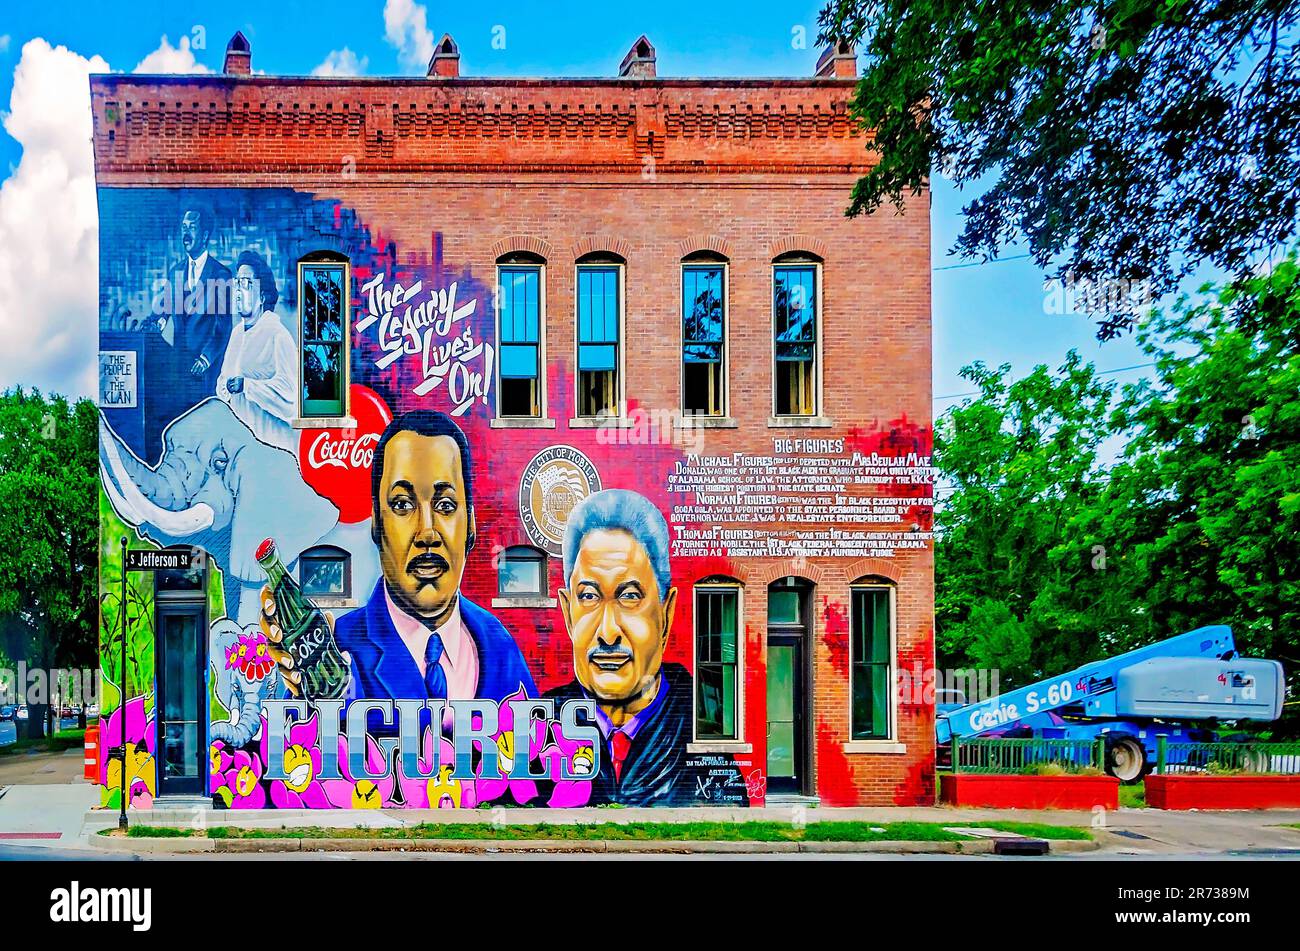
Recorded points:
445,62
239,56
839,60
639,63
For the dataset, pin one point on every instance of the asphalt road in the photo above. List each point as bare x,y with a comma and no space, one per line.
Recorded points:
9,730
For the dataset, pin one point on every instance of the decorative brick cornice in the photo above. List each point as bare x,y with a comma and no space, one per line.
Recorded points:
522,242
602,242
798,242
185,124
704,242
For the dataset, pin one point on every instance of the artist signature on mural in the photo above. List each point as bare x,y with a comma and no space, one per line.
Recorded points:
415,322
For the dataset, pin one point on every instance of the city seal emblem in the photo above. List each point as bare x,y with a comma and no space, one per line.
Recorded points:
554,481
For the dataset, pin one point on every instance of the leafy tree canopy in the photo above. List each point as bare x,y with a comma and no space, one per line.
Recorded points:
1123,141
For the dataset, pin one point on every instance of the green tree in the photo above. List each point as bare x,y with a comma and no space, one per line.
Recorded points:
1047,558
1207,497
1126,140
1018,464
48,531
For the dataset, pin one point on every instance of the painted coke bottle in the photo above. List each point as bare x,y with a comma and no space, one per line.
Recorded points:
307,635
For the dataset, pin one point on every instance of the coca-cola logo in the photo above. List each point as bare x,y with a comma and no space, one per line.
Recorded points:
345,453
336,462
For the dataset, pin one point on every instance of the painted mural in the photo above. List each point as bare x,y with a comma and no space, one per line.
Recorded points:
404,686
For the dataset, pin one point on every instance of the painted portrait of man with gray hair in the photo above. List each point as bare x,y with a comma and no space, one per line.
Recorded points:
618,604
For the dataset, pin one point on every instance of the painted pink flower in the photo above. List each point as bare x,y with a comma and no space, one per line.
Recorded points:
438,791
240,784
579,757
141,773
301,790
251,655
360,792
522,791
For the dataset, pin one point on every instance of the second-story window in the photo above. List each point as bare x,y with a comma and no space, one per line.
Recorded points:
323,303
794,306
600,309
520,315
703,310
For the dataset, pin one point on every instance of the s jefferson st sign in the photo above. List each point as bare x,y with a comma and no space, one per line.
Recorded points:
163,559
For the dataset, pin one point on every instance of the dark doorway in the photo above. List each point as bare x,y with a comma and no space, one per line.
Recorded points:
788,763
181,661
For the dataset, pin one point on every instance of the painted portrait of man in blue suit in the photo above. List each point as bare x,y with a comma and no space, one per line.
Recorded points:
418,637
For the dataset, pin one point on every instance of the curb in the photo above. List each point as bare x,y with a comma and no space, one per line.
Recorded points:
588,846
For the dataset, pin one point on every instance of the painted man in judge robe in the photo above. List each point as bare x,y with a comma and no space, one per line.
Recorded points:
618,607
259,375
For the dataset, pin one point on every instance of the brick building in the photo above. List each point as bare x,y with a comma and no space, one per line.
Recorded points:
627,283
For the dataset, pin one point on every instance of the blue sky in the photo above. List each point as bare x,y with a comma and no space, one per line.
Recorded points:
992,312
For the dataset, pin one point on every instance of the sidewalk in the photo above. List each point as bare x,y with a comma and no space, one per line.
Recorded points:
60,815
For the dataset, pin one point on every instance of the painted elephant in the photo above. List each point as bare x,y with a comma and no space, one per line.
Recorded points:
218,488
242,696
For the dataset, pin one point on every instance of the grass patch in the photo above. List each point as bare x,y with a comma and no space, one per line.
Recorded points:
641,831
60,741
1133,797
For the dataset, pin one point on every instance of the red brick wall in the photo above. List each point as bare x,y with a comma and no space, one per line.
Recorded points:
655,170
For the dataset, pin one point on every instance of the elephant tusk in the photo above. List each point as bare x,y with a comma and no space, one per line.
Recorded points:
178,524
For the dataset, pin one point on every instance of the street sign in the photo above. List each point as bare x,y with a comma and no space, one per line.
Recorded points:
165,559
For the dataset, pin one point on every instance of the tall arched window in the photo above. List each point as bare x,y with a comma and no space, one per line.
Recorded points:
599,305
796,334
719,646
324,307
521,392
871,659
704,309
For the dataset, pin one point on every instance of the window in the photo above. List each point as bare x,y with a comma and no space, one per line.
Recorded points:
599,317
323,300
717,646
871,655
325,572
703,307
519,315
521,572
794,304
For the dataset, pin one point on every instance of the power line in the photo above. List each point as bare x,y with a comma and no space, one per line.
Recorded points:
955,267
1136,366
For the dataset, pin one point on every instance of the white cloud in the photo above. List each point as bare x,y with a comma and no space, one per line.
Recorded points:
342,62
4,43
49,223
407,30
171,59
49,243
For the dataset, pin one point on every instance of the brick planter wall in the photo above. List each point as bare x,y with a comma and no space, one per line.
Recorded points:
1029,792
1222,792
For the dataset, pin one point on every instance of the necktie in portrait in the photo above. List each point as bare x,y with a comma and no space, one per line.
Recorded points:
435,678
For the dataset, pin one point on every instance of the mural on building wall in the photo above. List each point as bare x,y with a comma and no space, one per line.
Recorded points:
394,681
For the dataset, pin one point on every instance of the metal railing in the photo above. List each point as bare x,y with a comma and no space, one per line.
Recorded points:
1025,755
1227,758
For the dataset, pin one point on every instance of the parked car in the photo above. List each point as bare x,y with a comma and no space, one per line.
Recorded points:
8,712
22,712
92,712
